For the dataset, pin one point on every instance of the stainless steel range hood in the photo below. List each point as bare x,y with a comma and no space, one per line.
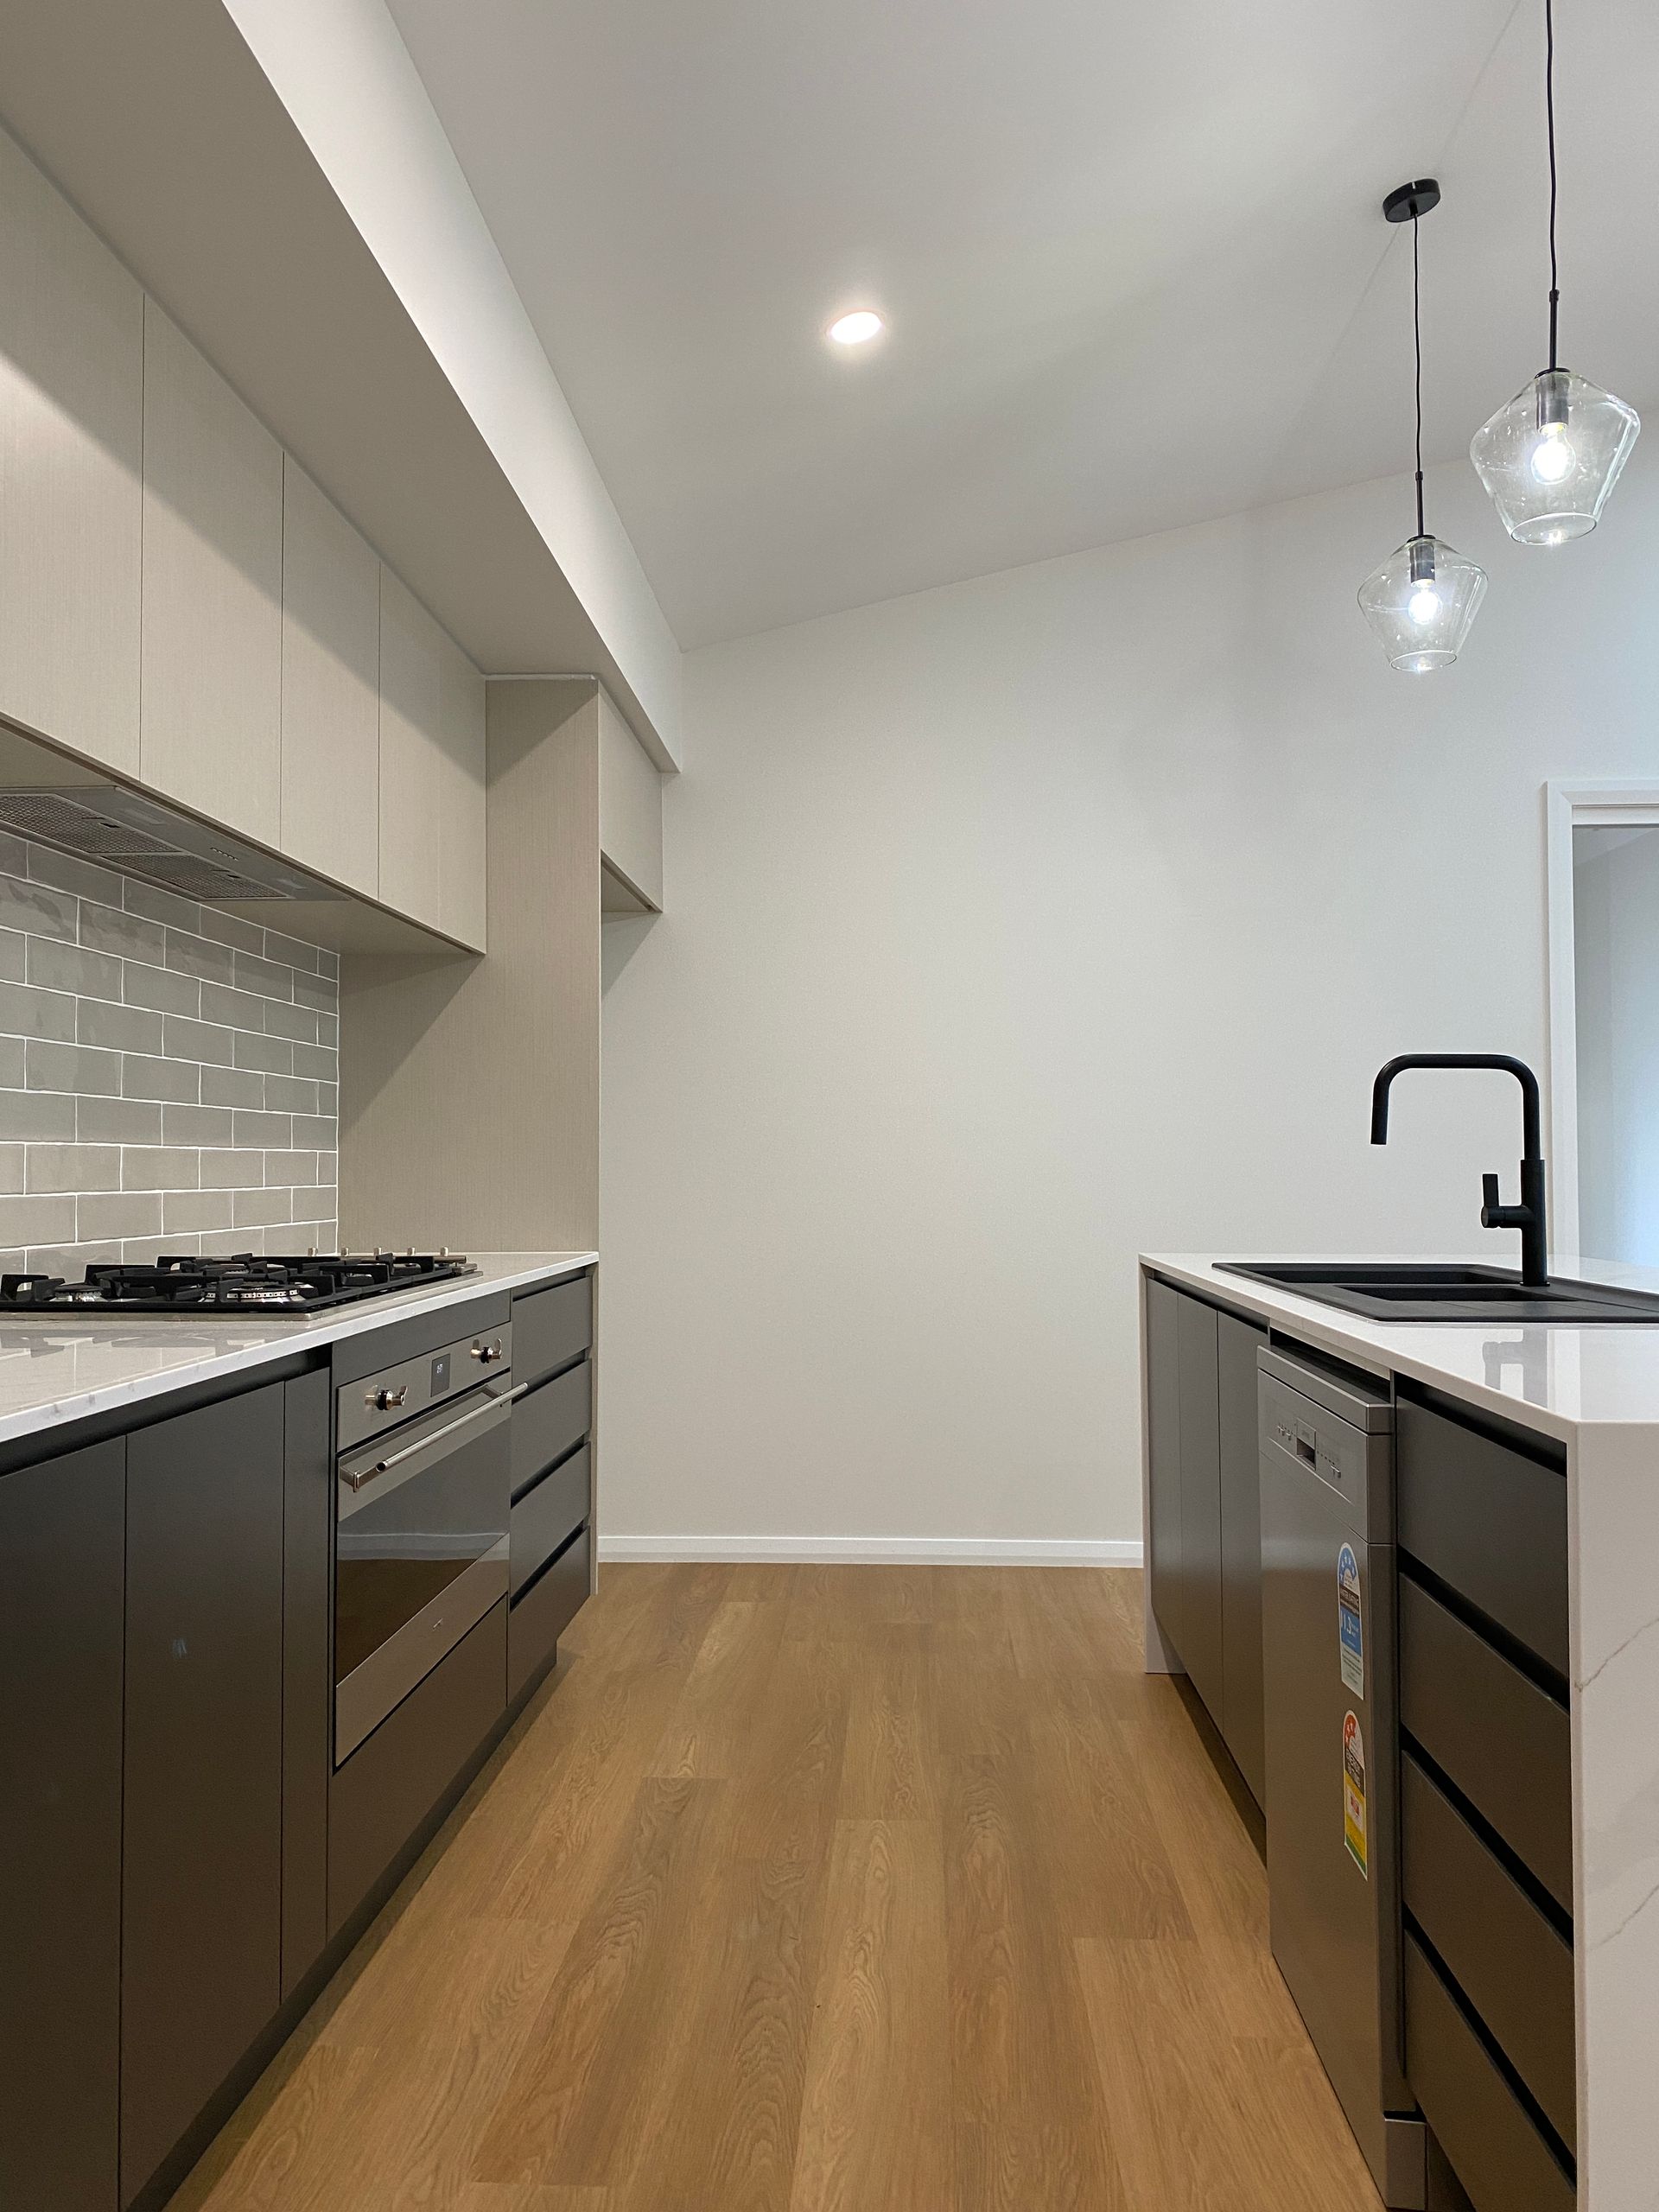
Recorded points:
122,829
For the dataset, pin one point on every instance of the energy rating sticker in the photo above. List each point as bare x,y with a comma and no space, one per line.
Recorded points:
1353,1793
1350,1622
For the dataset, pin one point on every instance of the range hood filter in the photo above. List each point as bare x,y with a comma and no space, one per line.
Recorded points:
124,831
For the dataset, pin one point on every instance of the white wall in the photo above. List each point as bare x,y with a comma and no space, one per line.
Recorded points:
1016,926
1615,997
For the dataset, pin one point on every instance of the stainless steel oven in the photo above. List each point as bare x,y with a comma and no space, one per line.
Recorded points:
423,1481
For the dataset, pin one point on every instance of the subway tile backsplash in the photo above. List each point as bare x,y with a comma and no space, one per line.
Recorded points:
168,1074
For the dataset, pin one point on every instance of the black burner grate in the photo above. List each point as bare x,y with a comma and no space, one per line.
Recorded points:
243,1282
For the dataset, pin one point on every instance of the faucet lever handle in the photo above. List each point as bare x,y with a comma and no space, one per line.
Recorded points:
1489,1203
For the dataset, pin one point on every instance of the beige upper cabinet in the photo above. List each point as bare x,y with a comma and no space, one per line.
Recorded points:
331,689
630,819
72,371
212,592
431,771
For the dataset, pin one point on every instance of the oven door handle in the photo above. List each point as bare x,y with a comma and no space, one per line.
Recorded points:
495,1407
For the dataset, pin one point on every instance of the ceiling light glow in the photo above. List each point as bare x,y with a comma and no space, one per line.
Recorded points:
857,328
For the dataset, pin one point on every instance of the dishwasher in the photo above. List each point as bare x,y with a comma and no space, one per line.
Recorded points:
1330,1679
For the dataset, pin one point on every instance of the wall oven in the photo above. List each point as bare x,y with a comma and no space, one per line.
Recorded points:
423,1480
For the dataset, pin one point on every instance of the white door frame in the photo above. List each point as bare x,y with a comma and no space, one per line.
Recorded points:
1570,805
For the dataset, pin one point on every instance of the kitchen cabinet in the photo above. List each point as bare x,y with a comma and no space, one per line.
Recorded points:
72,381
62,1544
201,1854
1200,1434
1164,1458
212,630
330,690
432,796
630,819
1242,1720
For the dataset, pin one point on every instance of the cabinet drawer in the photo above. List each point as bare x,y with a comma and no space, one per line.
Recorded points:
551,1327
1499,2156
549,1511
1490,1522
554,1416
540,1616
1510,1962
1504,1742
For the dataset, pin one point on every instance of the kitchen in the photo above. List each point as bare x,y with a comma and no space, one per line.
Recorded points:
925,816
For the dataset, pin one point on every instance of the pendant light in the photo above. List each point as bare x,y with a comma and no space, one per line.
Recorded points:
1422,599
1550,459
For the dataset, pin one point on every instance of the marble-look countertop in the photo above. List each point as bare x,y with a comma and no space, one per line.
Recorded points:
56,1368
1596,1389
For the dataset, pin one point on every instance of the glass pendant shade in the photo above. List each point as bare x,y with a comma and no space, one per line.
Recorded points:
1550,459
1420,603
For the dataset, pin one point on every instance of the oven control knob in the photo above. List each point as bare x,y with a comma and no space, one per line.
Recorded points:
486,1355
384,1402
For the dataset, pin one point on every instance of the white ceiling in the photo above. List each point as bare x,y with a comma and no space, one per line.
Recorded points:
1132,259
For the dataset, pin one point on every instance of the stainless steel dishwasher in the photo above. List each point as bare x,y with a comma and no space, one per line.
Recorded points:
1330,1680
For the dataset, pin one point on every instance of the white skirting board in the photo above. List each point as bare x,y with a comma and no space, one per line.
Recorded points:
875,1551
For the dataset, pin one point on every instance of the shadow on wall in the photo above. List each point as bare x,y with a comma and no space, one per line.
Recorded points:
618,940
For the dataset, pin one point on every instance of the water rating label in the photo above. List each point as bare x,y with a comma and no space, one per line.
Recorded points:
1350,1622
1353,1794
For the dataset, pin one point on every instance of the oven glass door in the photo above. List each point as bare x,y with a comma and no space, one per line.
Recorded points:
420,1546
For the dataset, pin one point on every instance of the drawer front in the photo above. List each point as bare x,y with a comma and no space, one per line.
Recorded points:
549,1511
552,1327
1504,1742
1500,2157
1490,1522
1507,1959
545,1610
547,1422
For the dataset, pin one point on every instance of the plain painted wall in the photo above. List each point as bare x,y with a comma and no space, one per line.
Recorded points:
1017,926
1616,995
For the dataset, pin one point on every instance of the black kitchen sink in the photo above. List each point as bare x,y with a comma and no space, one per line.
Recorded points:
1408,1291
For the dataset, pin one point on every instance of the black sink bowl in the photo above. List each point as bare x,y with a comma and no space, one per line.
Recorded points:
1416,1291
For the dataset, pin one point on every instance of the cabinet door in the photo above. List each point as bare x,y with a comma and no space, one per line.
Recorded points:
1201,1505
1164,1455
411,768
331,689
1241,1549
212,610
461,902
62,1539
201,1873
72,381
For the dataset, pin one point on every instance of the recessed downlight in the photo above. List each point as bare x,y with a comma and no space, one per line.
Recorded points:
856,328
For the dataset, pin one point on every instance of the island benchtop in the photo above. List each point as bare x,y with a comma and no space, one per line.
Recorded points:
56,1370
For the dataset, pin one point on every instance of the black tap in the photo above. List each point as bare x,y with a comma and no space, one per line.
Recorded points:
1529,1215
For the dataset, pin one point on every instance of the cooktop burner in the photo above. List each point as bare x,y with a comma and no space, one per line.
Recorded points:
243,1283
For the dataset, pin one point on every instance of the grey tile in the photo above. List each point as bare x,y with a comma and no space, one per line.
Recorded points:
312,1205
274,1131
158,906
231,929
74,1168
270,979
74,1067
12,956
318,1062
232,1087
231,1171
328,1098
124,1028
133,1214
290,1167
223,1242
14,1262
328,963
108,928
118,1121
38,1221
12,1167
321,1132
299,1023
287,1094
160,1167
273,1054
35,909
144,1077
328,1168
197,1040
145,1249
289,949
194,1210
199,956
197,1125
64,872
14,854
320,991
254,1209
327,1029
11,1063
70,1261
39,1113
161,988
28,1013
232,1009
55,967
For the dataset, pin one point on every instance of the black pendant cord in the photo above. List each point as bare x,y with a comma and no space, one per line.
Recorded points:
1417,338
1550,113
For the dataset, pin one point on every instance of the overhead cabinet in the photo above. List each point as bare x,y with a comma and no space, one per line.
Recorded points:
331,689
630,819
432,791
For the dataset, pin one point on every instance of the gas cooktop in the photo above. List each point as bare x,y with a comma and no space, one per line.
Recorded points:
243,1282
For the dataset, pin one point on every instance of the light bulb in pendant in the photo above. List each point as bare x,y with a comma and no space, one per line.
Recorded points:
1553,458
1423,605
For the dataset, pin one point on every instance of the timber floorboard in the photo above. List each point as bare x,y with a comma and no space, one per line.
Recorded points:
818,1889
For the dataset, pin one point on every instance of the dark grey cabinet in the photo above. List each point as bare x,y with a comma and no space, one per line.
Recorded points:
1164,1458
1242,1720
202,1830
1201,1637
62,1538
308,1673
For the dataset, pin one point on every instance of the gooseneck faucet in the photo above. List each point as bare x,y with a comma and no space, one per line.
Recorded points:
1529,1217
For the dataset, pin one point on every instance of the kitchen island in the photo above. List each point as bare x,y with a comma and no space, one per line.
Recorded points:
1580,1404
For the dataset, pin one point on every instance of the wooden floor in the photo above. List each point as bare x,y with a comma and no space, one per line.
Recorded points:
819,1889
